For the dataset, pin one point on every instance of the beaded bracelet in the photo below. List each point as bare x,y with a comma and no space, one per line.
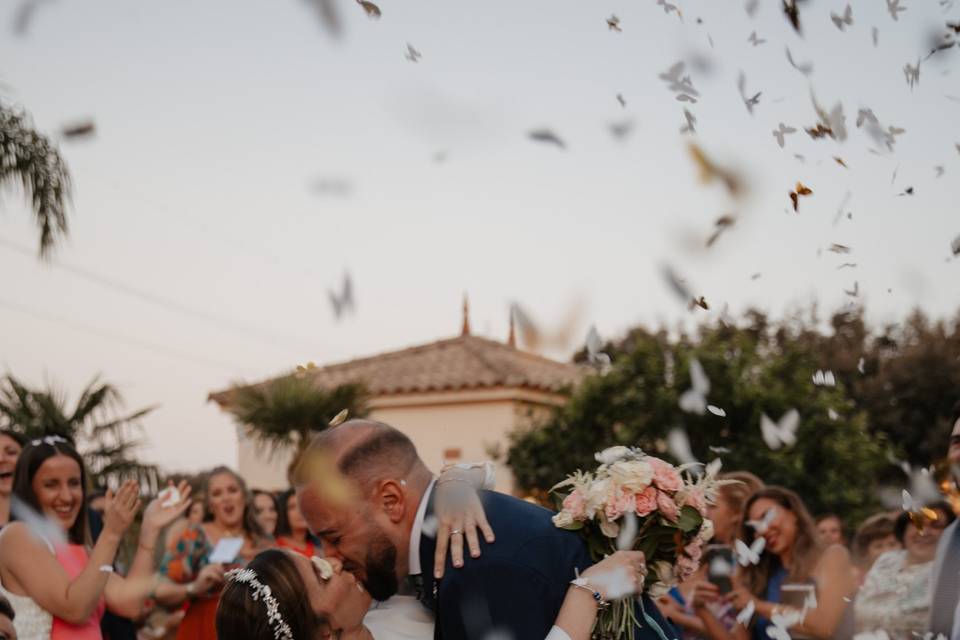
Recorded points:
583,583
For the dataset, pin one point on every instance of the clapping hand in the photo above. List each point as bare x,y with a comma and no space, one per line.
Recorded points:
121,508
162,511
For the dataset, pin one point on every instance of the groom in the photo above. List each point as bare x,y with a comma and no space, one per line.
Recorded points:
515,587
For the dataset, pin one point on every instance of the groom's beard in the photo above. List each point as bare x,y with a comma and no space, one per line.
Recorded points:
381,568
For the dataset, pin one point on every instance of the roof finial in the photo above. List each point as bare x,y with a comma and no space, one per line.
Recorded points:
465,330
512,338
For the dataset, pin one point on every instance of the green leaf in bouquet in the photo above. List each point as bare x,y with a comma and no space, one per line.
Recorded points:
690,519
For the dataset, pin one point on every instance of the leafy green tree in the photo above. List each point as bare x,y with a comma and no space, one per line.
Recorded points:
107,438
910,383
30,159
756,369
283,415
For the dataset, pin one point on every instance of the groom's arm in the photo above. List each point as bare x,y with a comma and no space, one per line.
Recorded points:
498,596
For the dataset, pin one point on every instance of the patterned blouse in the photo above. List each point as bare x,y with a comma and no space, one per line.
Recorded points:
190,554
895,597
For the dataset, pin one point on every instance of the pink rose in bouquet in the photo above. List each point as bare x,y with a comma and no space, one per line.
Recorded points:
665,476
619,502
646,502
694,497
576,505
667,506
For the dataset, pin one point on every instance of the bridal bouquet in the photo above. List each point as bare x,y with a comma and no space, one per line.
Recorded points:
639,502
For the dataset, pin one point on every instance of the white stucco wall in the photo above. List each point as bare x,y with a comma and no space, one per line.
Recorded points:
473,422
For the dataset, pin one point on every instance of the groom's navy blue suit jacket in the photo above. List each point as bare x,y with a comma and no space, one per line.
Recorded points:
518,583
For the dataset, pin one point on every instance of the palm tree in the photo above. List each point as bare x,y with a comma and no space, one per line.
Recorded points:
108,441
29,158
283,414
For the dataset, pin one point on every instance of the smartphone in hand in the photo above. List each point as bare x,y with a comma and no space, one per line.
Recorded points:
720,566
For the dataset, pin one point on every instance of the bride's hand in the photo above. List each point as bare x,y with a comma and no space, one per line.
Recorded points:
459,513
618,575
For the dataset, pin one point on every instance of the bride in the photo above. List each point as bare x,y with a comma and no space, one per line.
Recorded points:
283,595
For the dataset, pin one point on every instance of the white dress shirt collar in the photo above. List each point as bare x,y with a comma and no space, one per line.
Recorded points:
417,530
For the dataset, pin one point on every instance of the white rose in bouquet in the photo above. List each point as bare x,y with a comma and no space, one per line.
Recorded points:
612,454
632,475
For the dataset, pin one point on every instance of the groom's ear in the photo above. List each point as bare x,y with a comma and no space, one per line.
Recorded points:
392,499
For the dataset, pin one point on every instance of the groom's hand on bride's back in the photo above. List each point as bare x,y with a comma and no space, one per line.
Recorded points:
460,515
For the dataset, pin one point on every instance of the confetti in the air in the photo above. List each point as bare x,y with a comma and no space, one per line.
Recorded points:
694,400
749,555
824,378
781,132
805,68
782,433
340,418
796,194
547,136
78,130
595,355
717,411
844,21
710,171
761,525
412,54
372,10
893,6
749,101
912,74
343,301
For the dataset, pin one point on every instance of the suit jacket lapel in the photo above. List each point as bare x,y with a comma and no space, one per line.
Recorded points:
428,546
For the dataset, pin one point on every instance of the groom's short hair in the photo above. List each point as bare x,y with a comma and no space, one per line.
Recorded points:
366,451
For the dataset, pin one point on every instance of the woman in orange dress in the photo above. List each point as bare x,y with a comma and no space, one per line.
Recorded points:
292,532
195,581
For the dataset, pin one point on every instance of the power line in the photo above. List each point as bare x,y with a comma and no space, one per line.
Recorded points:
264,335
136,342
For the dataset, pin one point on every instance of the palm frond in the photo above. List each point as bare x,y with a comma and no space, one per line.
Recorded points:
282,414
30,158
108,443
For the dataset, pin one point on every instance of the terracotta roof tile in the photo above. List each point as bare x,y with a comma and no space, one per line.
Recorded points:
465,362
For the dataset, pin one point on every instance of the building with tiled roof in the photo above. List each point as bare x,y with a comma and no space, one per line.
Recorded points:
457,398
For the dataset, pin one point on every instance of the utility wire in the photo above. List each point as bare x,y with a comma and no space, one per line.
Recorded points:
116,337
264,335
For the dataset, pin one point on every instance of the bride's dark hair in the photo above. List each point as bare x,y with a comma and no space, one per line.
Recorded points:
240,617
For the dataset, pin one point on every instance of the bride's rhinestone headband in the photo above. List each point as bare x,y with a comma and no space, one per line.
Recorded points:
51,440
260,591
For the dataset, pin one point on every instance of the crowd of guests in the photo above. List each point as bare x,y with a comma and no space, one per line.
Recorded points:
898,575
59,543
60,579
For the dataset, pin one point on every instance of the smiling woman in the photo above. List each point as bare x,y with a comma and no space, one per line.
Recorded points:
791,562
194,570
55,581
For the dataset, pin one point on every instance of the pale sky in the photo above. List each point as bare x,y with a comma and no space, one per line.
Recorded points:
215,118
